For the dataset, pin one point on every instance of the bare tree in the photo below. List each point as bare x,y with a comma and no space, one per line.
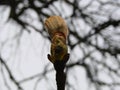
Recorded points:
93,41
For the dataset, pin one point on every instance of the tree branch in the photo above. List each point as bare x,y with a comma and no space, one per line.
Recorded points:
10,74
60,74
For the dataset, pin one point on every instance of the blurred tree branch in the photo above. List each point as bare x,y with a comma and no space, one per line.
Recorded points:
10,74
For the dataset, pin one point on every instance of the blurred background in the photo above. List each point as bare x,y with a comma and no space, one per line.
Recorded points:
94,44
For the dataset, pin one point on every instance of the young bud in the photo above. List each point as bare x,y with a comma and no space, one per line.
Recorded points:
58,31
56,24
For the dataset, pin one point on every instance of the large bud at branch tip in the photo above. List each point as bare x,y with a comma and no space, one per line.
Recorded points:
58,31
56,24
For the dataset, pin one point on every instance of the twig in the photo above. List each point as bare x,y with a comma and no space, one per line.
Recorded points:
58,31
60,74
10,74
